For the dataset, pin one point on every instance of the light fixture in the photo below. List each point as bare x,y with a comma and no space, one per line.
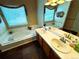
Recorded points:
60,1
56,2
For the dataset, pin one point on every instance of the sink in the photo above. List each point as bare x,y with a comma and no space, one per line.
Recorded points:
60,46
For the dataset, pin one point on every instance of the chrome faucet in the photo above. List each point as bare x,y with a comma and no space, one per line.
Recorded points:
63,39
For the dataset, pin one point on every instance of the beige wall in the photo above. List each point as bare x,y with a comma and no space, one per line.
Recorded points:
74,8
31,6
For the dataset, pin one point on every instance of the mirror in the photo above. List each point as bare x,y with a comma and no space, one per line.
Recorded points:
67,16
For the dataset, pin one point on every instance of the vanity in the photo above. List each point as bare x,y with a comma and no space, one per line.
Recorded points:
55,47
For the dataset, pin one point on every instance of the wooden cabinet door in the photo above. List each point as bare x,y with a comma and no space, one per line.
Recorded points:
53,55
46,48
39,39
48,51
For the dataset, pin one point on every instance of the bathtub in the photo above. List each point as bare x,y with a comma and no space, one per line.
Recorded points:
18,35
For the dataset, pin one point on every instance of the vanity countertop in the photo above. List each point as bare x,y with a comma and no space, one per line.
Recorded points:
48,37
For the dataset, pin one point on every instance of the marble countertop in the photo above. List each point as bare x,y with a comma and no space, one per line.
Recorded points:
48,36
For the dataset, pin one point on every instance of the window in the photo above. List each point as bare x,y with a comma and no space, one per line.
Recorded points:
15,16
48,15
2,27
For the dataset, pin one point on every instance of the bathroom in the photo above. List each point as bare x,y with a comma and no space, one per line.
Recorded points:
21,35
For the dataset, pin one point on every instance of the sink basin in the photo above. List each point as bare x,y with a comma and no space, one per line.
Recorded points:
60,46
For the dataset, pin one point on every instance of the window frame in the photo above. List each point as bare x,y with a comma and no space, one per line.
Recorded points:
15,7
44,16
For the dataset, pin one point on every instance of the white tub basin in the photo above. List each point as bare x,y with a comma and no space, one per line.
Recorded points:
16,36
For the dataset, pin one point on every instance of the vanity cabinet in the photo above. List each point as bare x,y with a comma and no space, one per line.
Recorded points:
46,48
53,55
48,51
39,39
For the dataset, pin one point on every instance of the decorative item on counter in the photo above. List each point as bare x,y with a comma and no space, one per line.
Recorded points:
29,27
49,28
44,26
77,47
10,32
76,40
68,36
33,27
72,44
43,29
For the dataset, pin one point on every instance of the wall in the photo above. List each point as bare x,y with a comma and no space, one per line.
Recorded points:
59,22
75,26
40,11
31,6
71,17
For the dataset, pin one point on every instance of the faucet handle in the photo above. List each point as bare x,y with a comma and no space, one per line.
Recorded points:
63,39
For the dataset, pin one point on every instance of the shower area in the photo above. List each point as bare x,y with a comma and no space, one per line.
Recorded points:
14,27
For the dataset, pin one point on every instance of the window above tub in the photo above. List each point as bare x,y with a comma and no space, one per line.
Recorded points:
15,16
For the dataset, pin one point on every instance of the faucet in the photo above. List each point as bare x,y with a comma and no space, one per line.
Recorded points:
63,39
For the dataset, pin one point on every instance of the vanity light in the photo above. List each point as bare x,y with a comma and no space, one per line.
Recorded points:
56,2
68,0
53,4
60,1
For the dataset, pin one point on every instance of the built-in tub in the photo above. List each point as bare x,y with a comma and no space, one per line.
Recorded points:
18,37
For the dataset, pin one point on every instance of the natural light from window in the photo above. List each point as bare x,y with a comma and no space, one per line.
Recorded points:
48,16
15,16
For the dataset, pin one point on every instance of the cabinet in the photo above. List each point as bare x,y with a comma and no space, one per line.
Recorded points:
48,51
39,39
46,48
53,55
